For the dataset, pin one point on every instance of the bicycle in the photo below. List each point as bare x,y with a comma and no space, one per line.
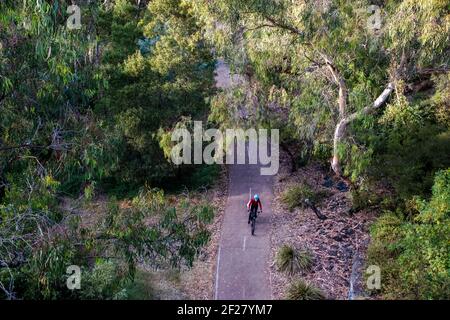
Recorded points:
253,216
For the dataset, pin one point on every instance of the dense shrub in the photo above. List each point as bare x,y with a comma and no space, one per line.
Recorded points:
413,253
82,116
292,261
295,195
363,198
301,290
150,229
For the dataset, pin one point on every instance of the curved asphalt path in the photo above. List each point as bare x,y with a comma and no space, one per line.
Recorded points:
242,259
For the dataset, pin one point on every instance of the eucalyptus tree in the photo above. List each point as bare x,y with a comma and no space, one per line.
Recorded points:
334,64
331,70
47,80
159,69
78,98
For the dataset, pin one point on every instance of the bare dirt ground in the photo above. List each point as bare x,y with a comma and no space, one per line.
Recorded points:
334,242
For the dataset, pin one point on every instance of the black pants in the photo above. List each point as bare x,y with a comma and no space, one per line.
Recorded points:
251,213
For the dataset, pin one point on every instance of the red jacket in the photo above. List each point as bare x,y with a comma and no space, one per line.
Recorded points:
254,203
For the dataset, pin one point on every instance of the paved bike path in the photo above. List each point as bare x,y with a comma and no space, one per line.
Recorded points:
242,259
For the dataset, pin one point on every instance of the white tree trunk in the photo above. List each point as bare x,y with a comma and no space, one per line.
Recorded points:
341,127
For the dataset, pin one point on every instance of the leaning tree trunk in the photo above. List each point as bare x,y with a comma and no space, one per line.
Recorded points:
341,127
343,120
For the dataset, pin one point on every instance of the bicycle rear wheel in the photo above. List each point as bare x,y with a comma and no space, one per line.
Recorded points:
253,226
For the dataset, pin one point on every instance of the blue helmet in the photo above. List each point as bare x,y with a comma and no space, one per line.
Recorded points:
256,197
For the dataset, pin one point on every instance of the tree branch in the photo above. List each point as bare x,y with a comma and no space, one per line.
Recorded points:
311,205
339,80
30,146
283,25
341,128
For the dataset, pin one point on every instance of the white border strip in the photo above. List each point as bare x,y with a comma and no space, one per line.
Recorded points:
217,275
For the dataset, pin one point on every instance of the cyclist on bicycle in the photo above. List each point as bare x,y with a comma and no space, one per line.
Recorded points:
252,206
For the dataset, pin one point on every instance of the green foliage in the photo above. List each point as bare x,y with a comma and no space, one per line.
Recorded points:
430,41
91,110
441,99
141,288
280,47
150,230
174,236
295,195
80,112
414,253
105,281
414,147
383,251
425,260
199,177
150,90
301,290
293,261
363,198
47,98
283,49
44,276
